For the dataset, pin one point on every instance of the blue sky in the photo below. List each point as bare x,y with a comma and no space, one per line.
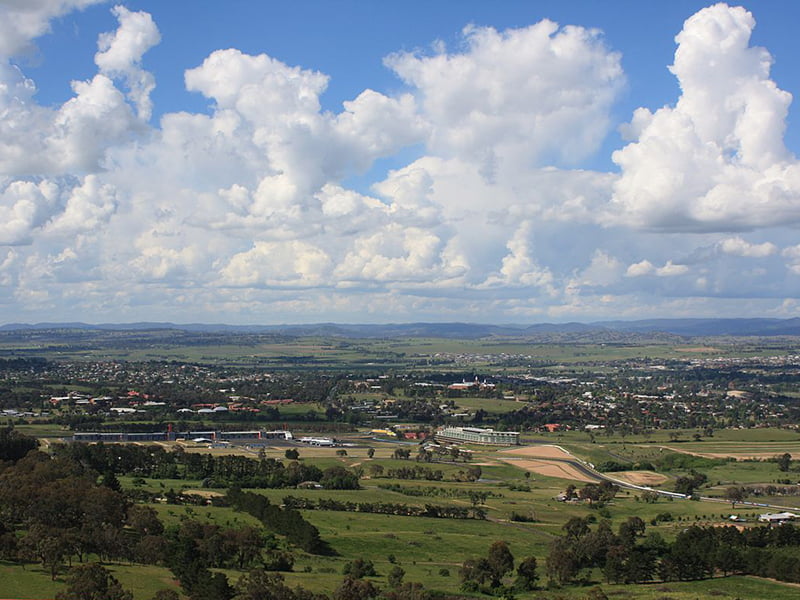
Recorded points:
260,162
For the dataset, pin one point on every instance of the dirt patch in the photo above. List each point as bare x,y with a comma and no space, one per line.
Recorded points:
552,468
735,454
542,451
204,493
640,477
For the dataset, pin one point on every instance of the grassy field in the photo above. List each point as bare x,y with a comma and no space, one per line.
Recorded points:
34,582
431,550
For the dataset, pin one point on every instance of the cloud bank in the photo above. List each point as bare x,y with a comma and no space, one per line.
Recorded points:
243,213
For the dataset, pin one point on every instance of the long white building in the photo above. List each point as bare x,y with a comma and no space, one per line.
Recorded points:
476,435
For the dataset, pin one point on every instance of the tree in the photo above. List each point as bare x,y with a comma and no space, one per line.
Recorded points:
576,528
14,445
562,561
477,498
728,559
50,546
92,582
355,589
640,566
650,496
339,478
473,473
526,574
211,586
260,585
245,544
614,569
631,529
370,452
784,461
359,568
292,454
500,560
735,494
395,578
144,520
408,591
110,481
401,453
474,572
594,545
590,492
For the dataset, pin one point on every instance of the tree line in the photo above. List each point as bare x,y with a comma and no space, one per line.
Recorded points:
633,556
215,471
385,508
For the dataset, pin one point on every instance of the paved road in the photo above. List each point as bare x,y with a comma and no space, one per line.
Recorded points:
585,469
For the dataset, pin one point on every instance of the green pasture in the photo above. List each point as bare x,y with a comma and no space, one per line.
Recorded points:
490,405
172,514
34,582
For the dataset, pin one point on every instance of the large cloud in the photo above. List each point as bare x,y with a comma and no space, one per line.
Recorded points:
120,55
716,160
539,94
72,138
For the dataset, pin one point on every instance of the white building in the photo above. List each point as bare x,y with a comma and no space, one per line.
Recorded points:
476,435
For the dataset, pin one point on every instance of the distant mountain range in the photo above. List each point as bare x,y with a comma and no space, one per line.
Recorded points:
678,327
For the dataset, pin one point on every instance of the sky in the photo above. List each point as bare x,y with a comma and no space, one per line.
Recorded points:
370,162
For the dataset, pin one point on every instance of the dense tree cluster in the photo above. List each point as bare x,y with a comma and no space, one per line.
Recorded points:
215,471
14,446
286,522
384,508
62,511
486,574
630,556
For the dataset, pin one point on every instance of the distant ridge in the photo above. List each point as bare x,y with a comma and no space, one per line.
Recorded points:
703,327
677,327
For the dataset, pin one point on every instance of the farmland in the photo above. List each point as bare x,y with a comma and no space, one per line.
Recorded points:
716,415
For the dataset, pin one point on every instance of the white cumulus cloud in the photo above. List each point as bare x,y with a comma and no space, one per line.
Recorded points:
538,94
736,246
716,160
120,55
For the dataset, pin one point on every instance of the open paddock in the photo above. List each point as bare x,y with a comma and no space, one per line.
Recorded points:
648,478
737,450
553,468
537,451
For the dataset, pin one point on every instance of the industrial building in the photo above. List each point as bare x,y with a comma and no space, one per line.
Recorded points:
476,435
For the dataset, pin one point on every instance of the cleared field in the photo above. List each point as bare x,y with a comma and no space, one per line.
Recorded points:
641,477
552,468
534,459
737,449
540,451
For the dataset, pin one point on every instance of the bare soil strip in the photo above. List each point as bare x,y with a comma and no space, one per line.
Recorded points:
641,477
737,453
551,468
538,452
